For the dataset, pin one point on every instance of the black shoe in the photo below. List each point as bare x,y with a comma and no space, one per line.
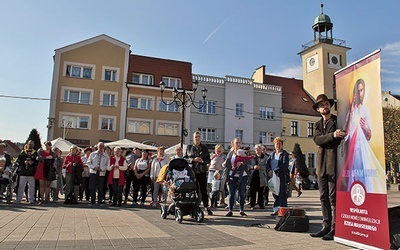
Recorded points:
243,214
229,214
119,205
298,195
209,212
262,207
329,236
113,205
324,231
274,214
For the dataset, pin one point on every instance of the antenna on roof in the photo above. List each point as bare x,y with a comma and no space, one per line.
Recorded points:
322,8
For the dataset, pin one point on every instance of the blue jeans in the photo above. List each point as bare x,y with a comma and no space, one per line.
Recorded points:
281,199
96,180
232,190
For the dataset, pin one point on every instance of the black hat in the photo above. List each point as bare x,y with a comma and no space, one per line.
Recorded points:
322,98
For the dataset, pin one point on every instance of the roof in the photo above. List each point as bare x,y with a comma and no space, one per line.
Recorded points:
12,149
295,99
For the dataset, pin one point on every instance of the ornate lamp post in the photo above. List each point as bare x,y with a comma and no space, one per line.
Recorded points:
184,100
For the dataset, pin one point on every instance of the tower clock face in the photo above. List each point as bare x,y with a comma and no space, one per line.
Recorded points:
312,63
334,61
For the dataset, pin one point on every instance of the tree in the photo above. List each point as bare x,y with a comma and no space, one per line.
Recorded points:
391,128
35,137
301,161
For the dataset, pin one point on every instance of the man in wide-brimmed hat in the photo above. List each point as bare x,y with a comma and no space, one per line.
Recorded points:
327,137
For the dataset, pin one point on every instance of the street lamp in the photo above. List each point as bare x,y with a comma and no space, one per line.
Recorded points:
184,100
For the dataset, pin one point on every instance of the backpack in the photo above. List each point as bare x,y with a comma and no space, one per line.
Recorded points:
70,199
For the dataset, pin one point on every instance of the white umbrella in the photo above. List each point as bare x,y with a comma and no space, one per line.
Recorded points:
62,144
125,143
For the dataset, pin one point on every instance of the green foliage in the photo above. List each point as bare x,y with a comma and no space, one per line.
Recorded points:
391,128
301,161
34,136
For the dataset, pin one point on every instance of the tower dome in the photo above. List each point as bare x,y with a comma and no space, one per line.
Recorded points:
322,22
322,28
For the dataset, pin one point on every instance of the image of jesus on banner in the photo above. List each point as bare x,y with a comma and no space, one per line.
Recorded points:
361,164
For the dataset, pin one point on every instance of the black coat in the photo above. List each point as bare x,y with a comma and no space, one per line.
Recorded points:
27,170
202,152
327,146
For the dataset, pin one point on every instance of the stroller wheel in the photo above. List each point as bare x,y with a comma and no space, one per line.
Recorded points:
199,215
178,215
164,211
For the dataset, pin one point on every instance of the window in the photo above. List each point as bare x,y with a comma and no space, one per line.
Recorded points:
108,100
140,103
310,129
142,79
76,96
170,107
239,109
208,134
266,113
294,128
172,82
311,160
267,138
239,134
207,107
167,129
74,121
139,127
79,72
107,123
110,75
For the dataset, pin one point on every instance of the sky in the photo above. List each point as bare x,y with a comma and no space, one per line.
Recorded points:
219,38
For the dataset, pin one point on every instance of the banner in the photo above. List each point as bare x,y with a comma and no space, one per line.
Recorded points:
361,197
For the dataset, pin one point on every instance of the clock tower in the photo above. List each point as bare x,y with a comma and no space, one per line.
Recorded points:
322,57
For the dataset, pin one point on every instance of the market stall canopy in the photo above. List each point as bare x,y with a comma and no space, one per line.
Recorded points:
62,144
125,143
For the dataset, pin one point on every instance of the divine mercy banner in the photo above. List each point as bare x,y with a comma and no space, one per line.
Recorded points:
361,197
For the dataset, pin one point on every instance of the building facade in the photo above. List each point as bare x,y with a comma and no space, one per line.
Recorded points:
101,92
237,107
298,117
88,91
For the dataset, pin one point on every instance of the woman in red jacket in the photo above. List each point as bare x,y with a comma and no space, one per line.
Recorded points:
116,176
73,165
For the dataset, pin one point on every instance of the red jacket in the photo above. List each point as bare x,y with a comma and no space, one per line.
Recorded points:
121,180
69,160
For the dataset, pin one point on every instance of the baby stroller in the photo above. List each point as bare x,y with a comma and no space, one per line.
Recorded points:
183,192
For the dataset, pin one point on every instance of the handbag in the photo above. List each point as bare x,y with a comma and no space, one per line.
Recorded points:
53,184
51,176
274,183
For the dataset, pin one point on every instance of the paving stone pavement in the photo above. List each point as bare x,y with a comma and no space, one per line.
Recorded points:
59,226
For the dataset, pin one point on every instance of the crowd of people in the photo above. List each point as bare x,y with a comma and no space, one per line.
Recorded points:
100,175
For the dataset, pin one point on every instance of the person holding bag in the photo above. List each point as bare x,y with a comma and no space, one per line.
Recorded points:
278,163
